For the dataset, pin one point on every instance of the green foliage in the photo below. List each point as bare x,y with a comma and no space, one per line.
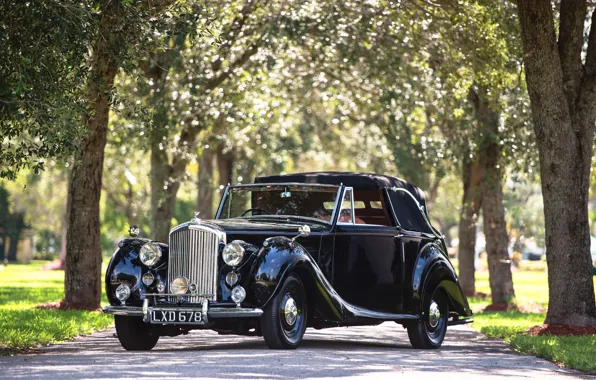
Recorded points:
576,352
531,289
43,46
22,287
506,323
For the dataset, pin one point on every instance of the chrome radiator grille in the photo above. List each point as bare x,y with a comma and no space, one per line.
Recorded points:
193,254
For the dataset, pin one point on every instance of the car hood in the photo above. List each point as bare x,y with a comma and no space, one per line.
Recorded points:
281,225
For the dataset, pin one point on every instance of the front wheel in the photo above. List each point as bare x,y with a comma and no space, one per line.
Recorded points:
283,322
429,332
134,334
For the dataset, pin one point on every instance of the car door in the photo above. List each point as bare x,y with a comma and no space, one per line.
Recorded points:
368,258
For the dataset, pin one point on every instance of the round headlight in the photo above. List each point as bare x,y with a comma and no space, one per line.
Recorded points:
179,286
238,294
233,254
150,254
122,292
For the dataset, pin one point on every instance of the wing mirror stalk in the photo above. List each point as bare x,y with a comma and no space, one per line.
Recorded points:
304,232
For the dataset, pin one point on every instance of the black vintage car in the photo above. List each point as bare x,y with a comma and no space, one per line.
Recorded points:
290,252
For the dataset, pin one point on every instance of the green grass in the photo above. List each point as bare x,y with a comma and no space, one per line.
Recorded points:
531,287
22,326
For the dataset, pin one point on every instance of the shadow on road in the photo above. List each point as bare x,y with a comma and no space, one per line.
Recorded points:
358,352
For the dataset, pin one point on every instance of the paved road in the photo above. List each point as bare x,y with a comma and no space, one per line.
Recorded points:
382,352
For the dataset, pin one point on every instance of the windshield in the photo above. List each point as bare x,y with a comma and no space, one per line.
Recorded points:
316,202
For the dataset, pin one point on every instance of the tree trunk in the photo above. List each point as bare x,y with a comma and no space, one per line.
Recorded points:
206,185
225,166
493,210
495,230
164,183
17,223
471,202
83,260
4,214
563,96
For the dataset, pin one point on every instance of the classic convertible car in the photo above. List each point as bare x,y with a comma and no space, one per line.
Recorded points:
290,252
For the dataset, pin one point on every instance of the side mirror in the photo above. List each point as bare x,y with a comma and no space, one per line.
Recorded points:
304,231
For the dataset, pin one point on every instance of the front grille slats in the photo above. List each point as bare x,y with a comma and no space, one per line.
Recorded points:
193,254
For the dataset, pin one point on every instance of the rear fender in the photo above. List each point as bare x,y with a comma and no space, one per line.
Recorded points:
434,271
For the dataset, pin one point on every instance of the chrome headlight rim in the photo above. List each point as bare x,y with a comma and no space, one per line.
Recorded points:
150,254
177,288
233,253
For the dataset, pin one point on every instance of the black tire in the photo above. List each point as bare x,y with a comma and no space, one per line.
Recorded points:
422,333
277,331
134,334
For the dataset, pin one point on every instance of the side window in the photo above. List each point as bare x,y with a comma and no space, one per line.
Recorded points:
369,208
346,213
407,211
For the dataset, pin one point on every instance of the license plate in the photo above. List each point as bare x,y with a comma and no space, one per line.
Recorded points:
176,316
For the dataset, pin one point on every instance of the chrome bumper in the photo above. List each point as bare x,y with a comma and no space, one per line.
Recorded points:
208,312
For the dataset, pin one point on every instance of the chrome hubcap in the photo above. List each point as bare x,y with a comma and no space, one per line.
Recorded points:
434,314
290,311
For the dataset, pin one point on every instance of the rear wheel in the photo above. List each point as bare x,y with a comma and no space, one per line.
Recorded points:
283,322
429,332
134,334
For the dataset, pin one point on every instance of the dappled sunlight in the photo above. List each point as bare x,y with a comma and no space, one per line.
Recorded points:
338,352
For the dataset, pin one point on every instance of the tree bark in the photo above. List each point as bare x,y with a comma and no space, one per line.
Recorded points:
83,260
164,182
493,210
17,223
563,97
225,166
206,185
471,202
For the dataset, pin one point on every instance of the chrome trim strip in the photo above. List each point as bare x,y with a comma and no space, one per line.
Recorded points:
215,312
187,295
133,311
236,312
341,203
364,313
221,202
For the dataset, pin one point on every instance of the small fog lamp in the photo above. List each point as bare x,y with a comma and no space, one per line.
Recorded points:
179,286
122,292
148,278
231,278
238,294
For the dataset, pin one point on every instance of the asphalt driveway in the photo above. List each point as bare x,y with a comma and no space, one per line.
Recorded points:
381,352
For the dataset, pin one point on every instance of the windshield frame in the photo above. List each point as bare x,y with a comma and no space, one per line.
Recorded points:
331,221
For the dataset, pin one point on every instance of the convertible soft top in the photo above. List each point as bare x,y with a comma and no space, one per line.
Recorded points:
355,180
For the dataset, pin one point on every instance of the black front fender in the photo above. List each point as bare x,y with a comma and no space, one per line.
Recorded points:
125,267
278,257
281,257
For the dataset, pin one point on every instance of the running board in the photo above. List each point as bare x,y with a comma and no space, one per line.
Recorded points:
460,321
364,313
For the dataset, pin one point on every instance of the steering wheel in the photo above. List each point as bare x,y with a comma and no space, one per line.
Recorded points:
256,209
